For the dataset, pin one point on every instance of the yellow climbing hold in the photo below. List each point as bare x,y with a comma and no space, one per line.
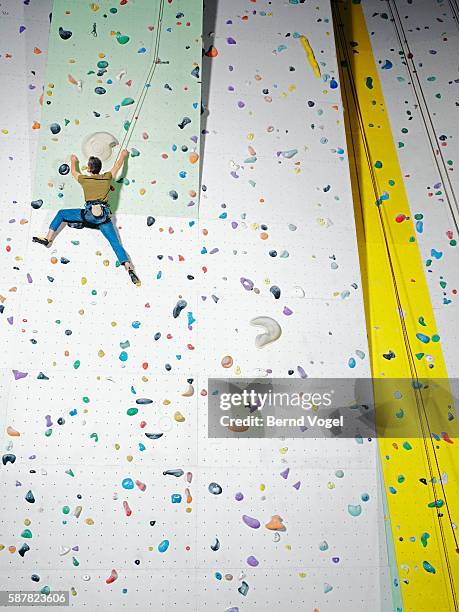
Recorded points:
310,55
178,416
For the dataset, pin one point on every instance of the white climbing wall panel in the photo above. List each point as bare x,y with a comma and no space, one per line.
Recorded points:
81,345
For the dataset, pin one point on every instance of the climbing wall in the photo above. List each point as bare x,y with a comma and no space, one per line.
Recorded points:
416,48
102,85
419,466
112,489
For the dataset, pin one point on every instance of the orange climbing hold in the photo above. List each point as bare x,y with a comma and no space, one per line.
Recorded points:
193,158
212,52
275,524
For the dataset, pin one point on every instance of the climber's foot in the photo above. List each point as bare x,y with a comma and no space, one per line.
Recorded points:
134,278
44,241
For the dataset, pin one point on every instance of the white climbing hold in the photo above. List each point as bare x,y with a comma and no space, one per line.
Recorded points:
99,144
298,292
189,391
272,333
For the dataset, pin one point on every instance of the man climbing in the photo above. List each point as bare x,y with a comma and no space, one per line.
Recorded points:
96,213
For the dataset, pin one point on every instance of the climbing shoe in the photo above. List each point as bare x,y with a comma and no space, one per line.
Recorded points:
134,278
43,241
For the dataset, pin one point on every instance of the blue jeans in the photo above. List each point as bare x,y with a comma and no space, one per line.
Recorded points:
73,215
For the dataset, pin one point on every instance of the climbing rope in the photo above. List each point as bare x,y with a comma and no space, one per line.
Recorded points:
426,117
426,431
151,72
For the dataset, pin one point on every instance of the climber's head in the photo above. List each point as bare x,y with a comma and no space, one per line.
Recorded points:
94,165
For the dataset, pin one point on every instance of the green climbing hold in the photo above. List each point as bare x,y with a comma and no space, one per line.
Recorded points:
436,504
76,364
65,509
429,568
369,82
407,446
435,338
421,321
378,164
419,356
126,125
26,534
132,411
425,536
122,38
127,102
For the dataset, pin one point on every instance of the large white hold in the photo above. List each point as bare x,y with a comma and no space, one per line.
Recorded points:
99,144
272,331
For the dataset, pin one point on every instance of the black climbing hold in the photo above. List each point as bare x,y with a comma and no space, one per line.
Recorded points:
8,458
152,523
64,169
273,253
150,221
181,304
423,480
64,260
157,336
173,194
24,548
195,72
55,128
60,421
144,400
275,291
36,204
50,278
176,473
35,578
42,376
168,367
100,90
152,436
214,488
29,497
64,34
185,121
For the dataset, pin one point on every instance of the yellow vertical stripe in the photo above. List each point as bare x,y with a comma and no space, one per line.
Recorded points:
413,461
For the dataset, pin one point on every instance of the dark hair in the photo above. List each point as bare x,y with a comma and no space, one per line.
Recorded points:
94,165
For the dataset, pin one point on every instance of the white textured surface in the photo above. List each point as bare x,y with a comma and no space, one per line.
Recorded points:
310,191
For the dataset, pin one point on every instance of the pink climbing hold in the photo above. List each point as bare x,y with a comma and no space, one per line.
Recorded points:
113,576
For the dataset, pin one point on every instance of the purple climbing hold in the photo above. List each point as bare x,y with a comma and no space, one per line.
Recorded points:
251,522
285,473
18,375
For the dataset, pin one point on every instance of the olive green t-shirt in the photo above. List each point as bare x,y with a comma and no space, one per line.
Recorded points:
96,186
